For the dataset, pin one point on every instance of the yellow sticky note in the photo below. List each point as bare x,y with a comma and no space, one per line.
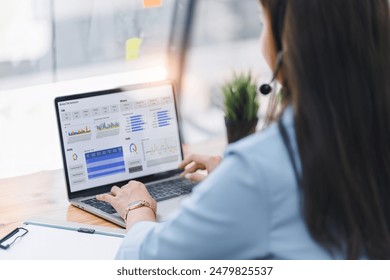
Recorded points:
152,3
132,48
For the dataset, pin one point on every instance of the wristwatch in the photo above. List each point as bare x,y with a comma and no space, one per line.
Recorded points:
138,204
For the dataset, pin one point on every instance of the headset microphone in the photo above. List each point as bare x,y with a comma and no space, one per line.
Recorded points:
266,89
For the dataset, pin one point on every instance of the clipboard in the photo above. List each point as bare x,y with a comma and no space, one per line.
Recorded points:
54,240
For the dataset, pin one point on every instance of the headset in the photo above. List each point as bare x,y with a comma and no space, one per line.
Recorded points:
277,26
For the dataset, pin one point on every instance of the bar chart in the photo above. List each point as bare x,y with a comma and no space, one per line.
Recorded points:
137,123
161,119
79,134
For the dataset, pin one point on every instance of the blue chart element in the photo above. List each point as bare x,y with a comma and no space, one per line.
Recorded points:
137,123
105,163
163,118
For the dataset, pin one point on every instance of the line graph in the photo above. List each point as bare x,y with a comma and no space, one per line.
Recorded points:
107,125
160,151
106,129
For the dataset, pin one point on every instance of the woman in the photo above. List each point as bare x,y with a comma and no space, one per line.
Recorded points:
315,185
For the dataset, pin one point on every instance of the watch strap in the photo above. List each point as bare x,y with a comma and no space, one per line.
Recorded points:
138,204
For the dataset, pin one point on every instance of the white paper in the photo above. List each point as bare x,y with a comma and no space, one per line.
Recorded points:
46,243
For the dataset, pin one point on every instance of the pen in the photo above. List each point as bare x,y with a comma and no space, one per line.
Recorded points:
82,230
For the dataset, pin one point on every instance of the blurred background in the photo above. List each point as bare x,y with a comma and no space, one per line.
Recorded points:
50,48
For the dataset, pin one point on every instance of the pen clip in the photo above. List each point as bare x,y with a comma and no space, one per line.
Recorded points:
86,230
10,235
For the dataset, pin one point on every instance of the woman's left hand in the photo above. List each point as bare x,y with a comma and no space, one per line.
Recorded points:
120,198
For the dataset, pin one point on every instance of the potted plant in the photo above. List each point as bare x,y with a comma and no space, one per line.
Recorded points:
241,105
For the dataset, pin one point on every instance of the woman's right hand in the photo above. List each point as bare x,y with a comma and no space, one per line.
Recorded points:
193,163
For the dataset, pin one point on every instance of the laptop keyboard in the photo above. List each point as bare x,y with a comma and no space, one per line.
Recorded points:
170,189
159,191
101,205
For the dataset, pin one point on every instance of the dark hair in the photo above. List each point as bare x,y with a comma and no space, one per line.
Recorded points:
337,66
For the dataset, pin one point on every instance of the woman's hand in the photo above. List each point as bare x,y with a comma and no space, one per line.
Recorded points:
120,198
193,163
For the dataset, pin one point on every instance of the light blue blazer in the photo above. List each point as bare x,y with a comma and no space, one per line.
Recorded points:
247,208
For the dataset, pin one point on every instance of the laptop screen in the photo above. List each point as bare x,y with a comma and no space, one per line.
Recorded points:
119,136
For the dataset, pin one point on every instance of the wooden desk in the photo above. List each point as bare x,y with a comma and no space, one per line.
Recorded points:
43,195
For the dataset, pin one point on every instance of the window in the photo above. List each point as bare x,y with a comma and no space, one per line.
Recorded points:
26,55
46,41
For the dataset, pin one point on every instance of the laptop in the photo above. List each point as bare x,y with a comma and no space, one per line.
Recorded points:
111,137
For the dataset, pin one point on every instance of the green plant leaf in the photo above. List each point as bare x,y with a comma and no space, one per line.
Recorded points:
240,98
